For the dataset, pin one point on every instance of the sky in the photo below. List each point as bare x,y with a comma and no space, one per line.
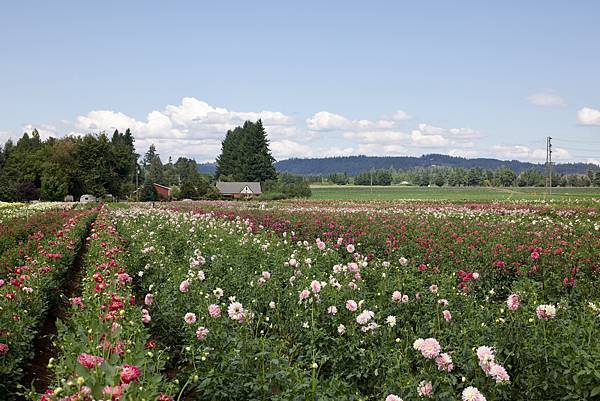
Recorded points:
328,78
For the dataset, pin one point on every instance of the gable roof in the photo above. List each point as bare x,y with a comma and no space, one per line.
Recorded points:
228,188
161,186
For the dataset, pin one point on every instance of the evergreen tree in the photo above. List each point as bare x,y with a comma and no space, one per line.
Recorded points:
229,162
245,154
188,191
258,165
148,192
153,167
439,180
504,177
125,162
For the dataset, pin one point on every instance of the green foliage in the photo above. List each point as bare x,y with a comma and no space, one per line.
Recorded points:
530,178
439,180
375,177
504,177
188,191
286,186
54,186
91,164
245,154
269,196
148,192
212,193
176,192
27,191
339,178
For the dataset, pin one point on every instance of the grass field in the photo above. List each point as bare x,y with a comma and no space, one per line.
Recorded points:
477,194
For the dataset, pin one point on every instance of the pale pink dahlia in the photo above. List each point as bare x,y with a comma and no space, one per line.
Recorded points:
498,373
546,312
472,394
201,333
235,310
351,305
430,348
303,295
190,318
214,310
184,286
425,389
513,302
444,362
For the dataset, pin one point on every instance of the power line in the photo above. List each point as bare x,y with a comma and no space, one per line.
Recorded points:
578,141
575,148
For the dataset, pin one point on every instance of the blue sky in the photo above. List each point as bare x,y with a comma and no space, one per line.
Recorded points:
329,78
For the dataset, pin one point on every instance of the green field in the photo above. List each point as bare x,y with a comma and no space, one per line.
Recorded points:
477,194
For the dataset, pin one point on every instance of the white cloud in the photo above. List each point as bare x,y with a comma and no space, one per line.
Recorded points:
594,161
193,128
430,136
383,134
511,151
377,136
326,121
45,130
374,149
401,116
522,152
285,149
588,116
463,153
423,139
547,99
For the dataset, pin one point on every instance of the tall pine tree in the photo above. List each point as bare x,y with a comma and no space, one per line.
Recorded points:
245,154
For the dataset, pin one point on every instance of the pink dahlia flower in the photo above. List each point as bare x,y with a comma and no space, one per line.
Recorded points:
201,333
214,310
430,348
89,361
513,302
184,286
351,305
425,389
129,373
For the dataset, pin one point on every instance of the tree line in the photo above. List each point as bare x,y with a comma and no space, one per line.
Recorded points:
33,168
457,177
354,165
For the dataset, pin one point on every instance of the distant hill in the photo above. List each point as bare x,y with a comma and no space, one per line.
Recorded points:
356,164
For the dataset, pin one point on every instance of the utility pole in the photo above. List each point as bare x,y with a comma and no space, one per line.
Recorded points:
549,166
137,185
550,159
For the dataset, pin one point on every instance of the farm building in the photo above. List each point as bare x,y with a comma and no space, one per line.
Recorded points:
162,191
239,189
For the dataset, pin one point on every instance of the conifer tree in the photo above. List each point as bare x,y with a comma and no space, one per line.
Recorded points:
245,154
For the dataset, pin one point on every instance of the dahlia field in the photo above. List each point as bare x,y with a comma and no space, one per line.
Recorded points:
309,301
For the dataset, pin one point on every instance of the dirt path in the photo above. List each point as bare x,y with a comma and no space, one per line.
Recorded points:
37,374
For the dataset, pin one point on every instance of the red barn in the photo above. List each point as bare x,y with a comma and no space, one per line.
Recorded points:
162,191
